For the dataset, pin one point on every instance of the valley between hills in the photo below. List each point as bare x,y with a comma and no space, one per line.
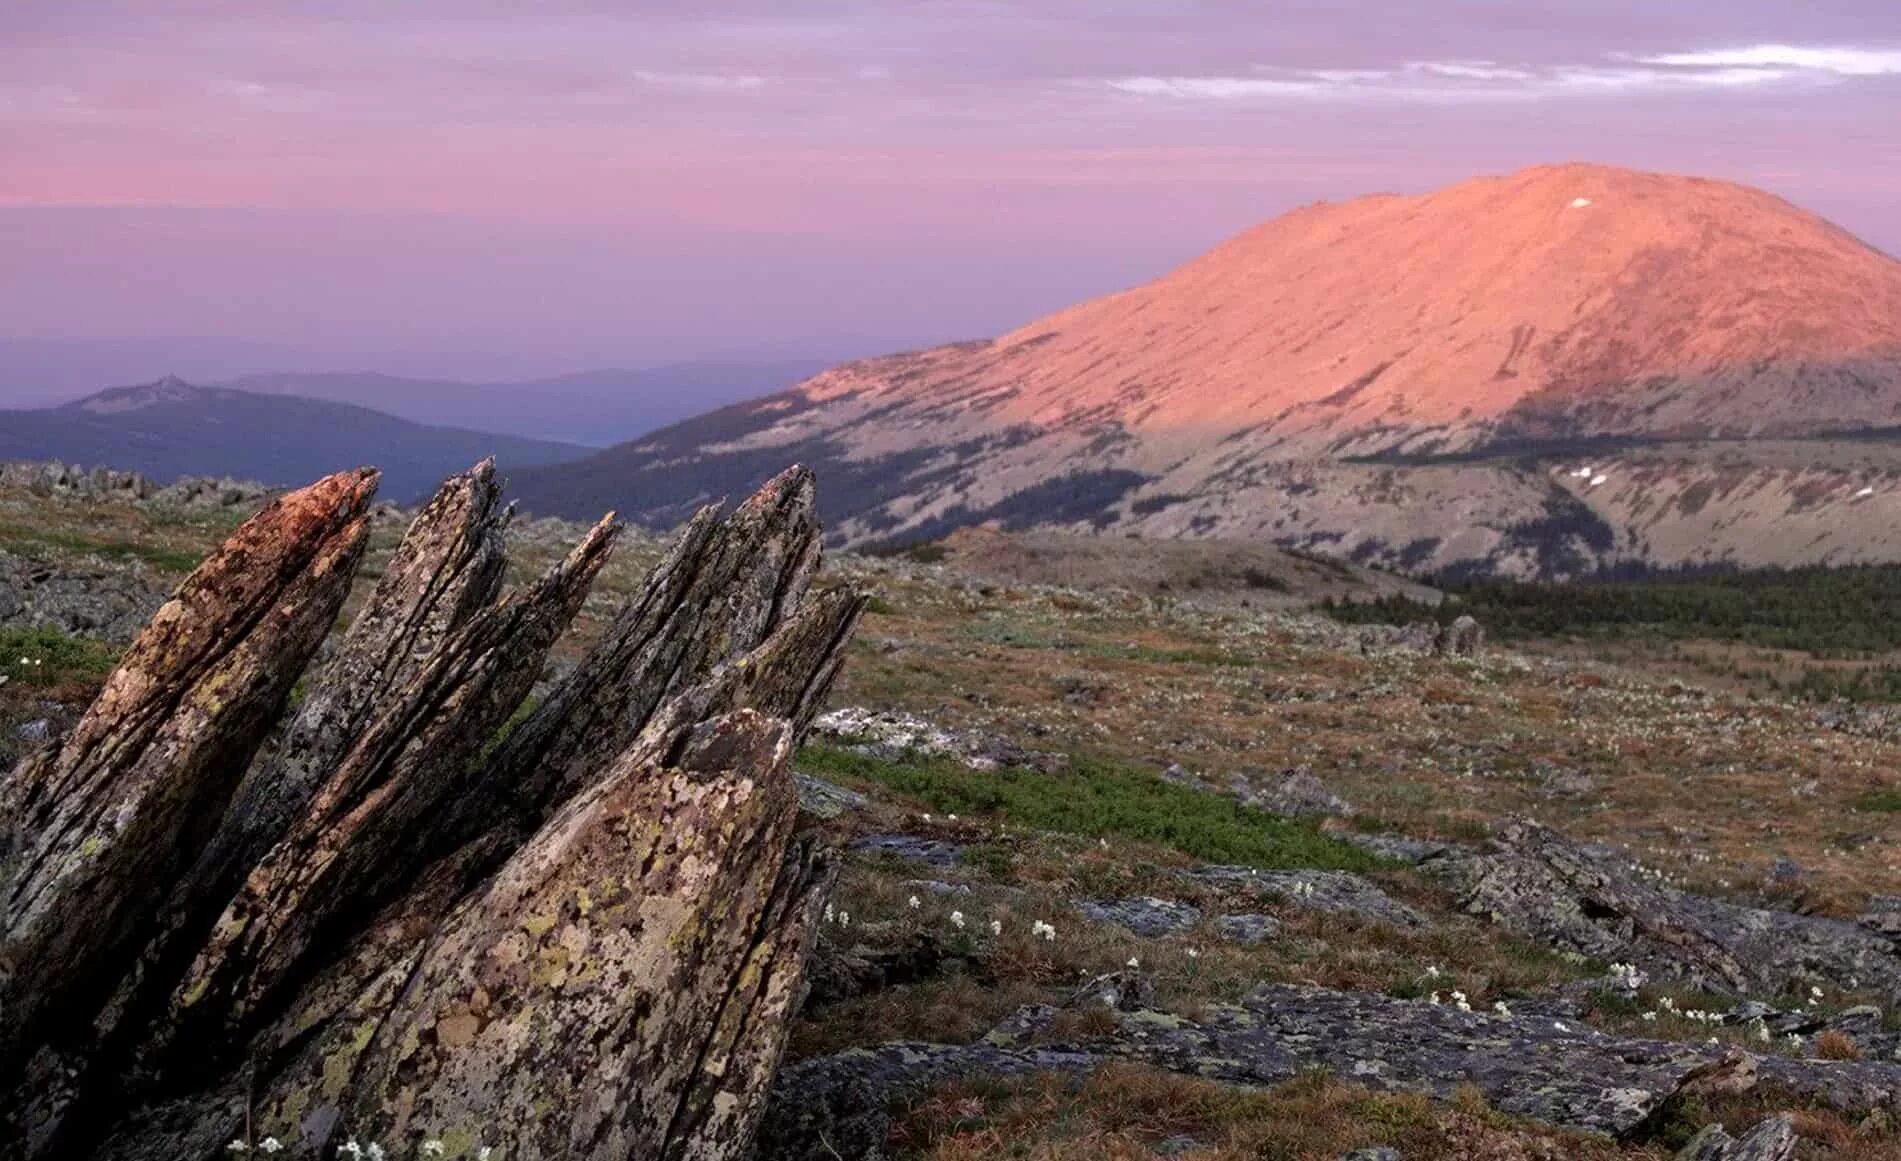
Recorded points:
1149,854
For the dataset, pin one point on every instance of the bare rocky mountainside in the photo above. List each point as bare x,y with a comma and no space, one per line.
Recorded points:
1537,374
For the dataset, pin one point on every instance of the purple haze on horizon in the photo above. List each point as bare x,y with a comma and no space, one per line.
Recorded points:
454,188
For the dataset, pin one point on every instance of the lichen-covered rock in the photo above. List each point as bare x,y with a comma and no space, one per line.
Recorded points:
88,828
382,932
612,973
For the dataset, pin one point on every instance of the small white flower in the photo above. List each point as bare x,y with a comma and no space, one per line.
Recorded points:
927,818
375,1152
1559,1025
1499,1007
844,919
950,818
996,927
482,1153
351,1148
1650,1017
957,919
1432,971
236,1146
1194,953
1460,1002
432,1148
830,915
1134,962
1434,998
914,902
270,1145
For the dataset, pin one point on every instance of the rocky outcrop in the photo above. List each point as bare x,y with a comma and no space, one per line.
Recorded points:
1536,883
1464,637
1546,1069
1772,1140
53,478
893,736
75,599
385,925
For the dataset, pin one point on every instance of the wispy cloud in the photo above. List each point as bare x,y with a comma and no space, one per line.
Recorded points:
1482,80
1839,61
701,82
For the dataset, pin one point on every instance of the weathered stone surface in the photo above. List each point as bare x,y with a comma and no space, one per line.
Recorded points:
92,825
614,973
822,799
1295,793
447,567
893,735
89,602
935,852
1544,1069
726,586
1337,891
1772,1140
1146,915
1248,928
1464,637
369,827
1536,883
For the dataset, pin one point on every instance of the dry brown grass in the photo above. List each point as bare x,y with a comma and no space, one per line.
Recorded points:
1835,1044
1126,1111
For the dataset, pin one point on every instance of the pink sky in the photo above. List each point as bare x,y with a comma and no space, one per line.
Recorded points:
464,184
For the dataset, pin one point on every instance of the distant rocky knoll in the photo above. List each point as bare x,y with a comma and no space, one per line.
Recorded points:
172,429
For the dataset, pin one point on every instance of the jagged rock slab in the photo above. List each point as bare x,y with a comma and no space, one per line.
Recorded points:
366,975
88,827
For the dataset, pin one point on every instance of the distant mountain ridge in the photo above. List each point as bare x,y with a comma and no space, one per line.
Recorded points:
170,428
1410,381
596,408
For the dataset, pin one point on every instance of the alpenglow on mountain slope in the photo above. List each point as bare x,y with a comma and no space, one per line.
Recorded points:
1544,373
